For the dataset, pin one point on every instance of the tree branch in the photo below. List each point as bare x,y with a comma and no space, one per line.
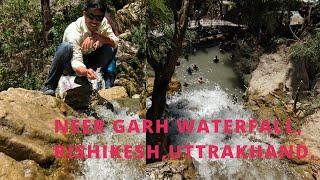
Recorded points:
179,32
156,66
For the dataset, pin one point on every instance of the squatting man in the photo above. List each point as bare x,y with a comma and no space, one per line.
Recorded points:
88,43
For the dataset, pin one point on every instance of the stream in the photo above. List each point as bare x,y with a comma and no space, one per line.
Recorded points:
219,97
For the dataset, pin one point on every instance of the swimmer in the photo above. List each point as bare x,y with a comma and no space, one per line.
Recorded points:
234,99
185,84
200,80
189,70
195,67
216,60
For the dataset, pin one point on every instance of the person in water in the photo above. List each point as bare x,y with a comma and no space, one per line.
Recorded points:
185,84
234,99
200,80
216,60
195,67
189,70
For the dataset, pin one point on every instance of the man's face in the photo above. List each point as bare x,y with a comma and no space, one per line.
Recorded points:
93,18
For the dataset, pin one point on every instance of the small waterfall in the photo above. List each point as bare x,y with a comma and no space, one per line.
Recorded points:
210,100
214,103
104,169
207,103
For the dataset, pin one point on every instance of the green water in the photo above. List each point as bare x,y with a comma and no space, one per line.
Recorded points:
220,73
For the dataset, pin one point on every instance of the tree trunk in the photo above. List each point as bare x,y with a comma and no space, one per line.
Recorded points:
154,113
46,19
163,75
158,97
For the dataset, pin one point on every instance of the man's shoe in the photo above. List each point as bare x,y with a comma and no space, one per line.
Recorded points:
48,90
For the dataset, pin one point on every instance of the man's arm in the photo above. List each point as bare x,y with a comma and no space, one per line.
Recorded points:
83,71
104,40
106,35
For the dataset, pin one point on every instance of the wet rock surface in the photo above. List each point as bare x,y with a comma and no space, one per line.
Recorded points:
12,169
75,91
270,75
171,169
115,92
27,132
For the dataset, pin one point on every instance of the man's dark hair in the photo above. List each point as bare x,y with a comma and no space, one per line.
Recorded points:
99,4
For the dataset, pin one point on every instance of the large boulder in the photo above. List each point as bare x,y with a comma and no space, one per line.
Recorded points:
270,75
310,137
308,167
131,85
129,16
27,125
116,92
126,51
75,91
12,169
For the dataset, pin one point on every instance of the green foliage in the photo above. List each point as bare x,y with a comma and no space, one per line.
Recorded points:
246,59
158,13
160,32
190,35
309,52
267,15
10,78
60,23
134,63
20,44
23,52
19,26
138,37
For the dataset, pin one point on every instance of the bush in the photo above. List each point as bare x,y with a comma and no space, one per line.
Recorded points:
60,22
20,44
246,59
138,37
10,78
309,52
20,26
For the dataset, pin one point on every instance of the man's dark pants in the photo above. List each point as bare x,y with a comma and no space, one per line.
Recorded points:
62,62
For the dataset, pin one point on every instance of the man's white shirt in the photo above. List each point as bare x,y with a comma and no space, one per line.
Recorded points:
77,32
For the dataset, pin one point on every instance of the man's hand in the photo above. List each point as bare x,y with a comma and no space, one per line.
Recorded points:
87,44
90,74
96,45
